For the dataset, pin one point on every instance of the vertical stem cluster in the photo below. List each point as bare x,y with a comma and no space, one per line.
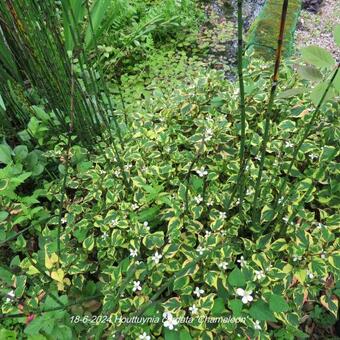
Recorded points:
269,110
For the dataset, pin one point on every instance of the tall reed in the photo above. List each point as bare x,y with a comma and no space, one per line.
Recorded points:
242,97
255,203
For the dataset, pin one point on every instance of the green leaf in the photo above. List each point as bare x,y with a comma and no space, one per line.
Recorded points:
7,334
291,93
5,154
328,153
287,125
236,307
236,278
319,91
154,241
3,215
260,311
309,73
20,152
337,34
184,335
181,282
218,307
278,304
317,56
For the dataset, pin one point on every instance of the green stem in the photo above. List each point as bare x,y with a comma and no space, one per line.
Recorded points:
242,100
265,140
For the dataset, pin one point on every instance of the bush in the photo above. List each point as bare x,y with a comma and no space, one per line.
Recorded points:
173,247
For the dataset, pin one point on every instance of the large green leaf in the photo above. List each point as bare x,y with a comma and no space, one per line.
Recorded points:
236,278
309,73
317,56
319,91
260,311
278,304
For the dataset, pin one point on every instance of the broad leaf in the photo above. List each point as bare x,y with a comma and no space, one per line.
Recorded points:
236,278
260,311
278,304
317,56
309,73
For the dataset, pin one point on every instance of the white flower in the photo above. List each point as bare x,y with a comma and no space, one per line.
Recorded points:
207,233
117,173
223,265
223,233
167,315
210,203
320,225
63,220
200,250
198,292
146,225
237,201
289,144
313,156
170,321
136,286
145,336
310,275
127,167
297,258
249,192
280,200
202,172
257,325
156,257
223,214
133,252
134,206
246,295
10,296
241,261
198,199
105,235
114,222
258,157
259,274
286,219
193,309
323,255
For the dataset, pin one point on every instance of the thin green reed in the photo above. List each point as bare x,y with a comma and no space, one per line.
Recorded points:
242,97
255,203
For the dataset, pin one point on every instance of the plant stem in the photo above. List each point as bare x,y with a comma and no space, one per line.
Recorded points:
67,161
269,110
242,100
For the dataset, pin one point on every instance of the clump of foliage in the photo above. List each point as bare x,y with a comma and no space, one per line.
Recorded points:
158,227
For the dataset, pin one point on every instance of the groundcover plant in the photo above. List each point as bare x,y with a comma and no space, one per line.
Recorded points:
145,196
